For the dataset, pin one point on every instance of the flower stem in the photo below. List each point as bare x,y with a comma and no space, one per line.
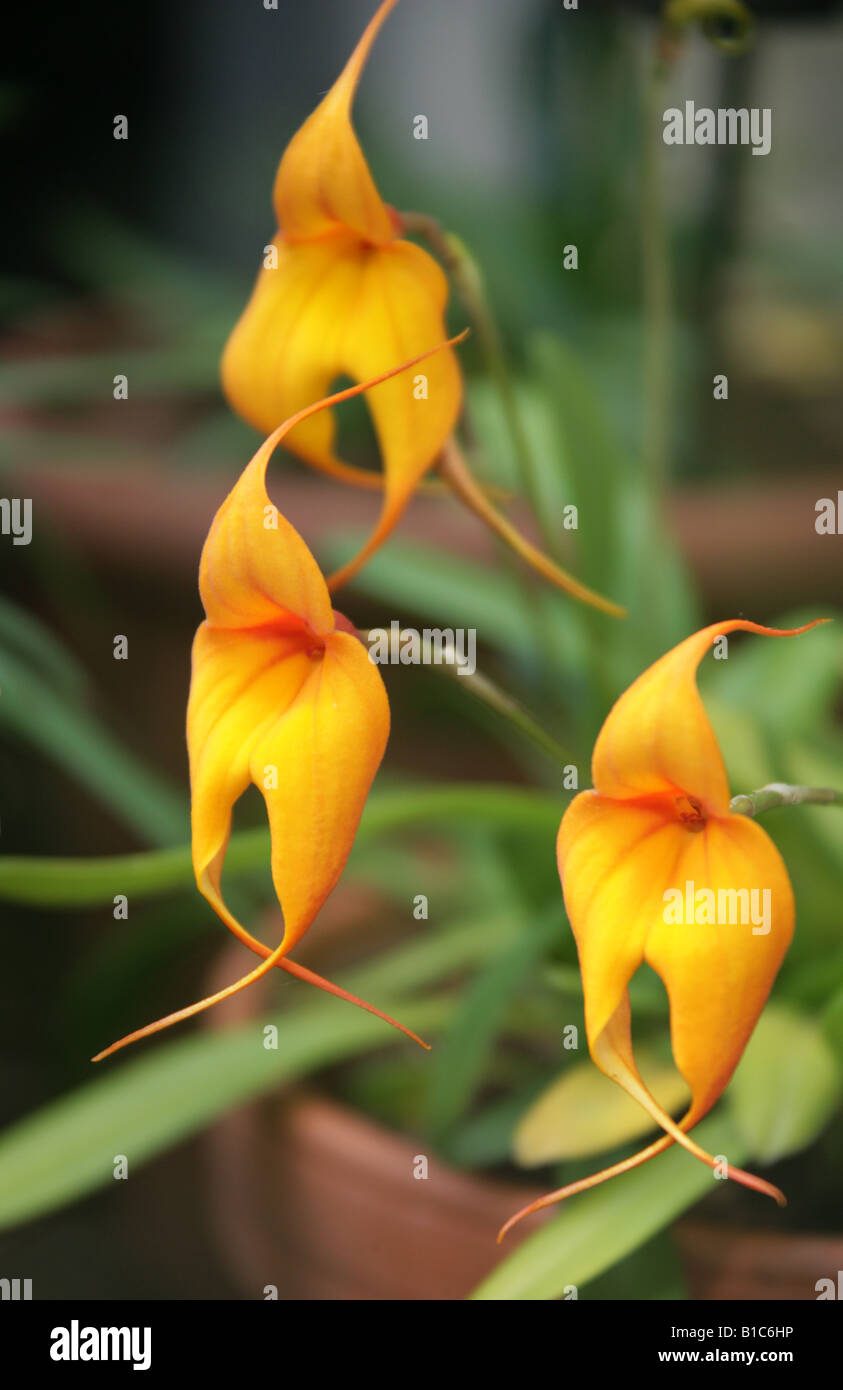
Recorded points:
781,794
518,717
77,882
656,283
490,694
731,26
454,469
469,284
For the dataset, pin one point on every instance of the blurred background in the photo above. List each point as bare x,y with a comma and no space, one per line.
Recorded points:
137,257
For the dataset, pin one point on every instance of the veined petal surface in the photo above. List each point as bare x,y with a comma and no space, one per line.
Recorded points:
323,180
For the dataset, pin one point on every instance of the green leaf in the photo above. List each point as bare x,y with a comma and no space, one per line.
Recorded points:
582,1112
832,1024
586,455
32,707
485,1138
23,635
820,766
68,1148
739,734
461,1057
59,882
813,984
65,380
595,1229
654,1271
167,289
787,1085
146,1104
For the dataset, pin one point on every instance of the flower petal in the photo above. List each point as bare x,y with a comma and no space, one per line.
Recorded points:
340,308
327,746
308,731
288,345
718,976
240,682
617,862
255,568
323,179
657,737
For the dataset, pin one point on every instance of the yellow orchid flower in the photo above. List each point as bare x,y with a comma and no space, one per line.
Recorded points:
282,695
341,293
655,867
345,297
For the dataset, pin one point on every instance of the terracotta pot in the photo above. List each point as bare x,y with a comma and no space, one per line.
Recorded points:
721,1262
321,1202
318,1201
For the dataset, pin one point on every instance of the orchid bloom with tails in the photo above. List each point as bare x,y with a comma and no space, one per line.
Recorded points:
282,695
343,293
657,820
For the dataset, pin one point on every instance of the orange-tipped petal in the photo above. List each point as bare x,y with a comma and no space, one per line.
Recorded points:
271,958
657,736
341,308
456,473
323,180
324,750
626,1165
583,1184
181,1014
655,868
340,295
278,698
718,977
283,696
624,867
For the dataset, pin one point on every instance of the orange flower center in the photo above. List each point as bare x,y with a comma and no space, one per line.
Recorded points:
690,812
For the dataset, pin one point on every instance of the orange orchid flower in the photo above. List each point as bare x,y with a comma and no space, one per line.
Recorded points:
656,868
341,293
344,297
282,695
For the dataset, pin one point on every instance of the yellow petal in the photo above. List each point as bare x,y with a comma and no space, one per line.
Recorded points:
619,863
308,731
718,977
327,747
323,180
657,738
280,699
657,828
239,682
255,568
284,696
306,723
279,694
290,342
614,861
341,308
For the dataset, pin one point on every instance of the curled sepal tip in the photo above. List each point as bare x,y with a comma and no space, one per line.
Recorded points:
273,958
551,1199
456,473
